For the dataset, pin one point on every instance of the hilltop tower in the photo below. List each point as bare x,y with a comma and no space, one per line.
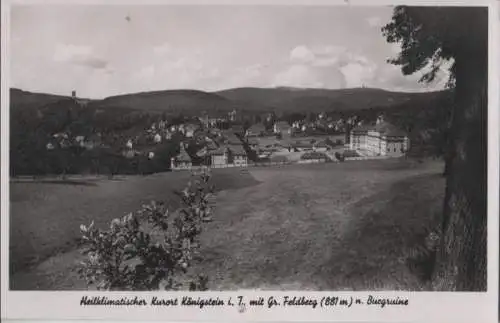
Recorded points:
73,94
380,119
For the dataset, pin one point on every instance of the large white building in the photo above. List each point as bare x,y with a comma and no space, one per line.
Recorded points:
381,139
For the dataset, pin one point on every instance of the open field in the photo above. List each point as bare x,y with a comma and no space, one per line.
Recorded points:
46,215
321,227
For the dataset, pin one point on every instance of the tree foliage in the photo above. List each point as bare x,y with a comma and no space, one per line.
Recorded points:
428,37
151,249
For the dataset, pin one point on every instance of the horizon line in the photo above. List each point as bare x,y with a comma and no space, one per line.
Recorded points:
228,89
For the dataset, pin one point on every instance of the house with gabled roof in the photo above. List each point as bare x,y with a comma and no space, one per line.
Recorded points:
229,155
238,155
182,160
282,127
190,129
219,157
253,143
238,129
321,146
256,130
230,138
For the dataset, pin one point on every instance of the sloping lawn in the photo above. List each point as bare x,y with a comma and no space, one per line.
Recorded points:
319,227
322,227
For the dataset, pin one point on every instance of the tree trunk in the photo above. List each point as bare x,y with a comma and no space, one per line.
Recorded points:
447,163
448,143
461,260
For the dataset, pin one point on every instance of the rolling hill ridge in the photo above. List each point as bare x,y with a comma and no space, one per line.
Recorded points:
193,102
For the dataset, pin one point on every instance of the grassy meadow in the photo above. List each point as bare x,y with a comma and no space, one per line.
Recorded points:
46,215
343,226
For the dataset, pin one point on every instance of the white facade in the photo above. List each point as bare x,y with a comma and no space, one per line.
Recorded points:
381,140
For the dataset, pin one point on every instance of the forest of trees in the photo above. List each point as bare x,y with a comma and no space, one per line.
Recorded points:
31,130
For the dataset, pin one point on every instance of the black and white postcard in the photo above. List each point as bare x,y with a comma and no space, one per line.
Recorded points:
250,160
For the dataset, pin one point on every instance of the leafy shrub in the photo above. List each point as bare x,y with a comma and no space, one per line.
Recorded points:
421,256
152,248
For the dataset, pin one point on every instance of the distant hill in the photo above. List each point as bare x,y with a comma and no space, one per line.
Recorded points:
171,101
256,100
316,100
20,99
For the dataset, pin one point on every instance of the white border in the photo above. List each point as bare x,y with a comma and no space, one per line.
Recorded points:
424,306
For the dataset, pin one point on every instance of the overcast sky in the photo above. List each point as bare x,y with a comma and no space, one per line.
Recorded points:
99,52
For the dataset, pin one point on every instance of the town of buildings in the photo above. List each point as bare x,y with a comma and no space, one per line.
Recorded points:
221,147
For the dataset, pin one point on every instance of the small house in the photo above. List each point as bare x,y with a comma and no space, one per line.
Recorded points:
256,130
65,143
282,127
60,135
238,155
302,146
129,153
321,146
231,139
80,140
219,157
238,129
182,160
50,146
190,129
162,124
232,115
252,143
157,138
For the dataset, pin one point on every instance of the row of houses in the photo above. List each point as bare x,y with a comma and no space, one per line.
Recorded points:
258,129
159,133
226,150
285,129
224,156
64,140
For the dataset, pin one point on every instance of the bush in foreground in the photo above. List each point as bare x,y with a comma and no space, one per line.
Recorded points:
152,248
